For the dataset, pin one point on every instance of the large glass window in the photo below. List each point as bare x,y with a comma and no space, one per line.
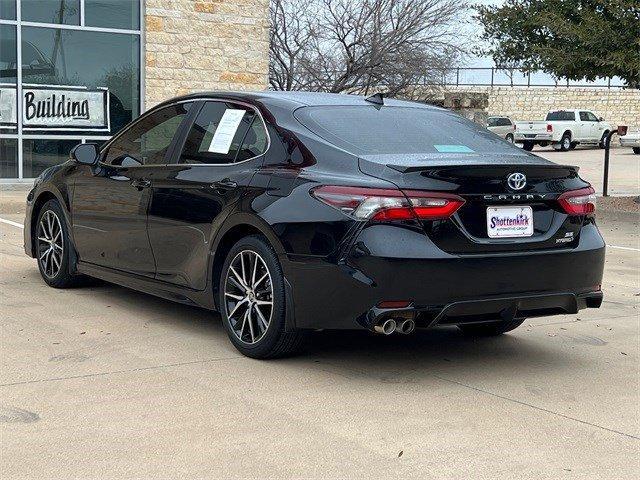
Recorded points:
40,154
123,14
8,78
79,83
8,9
51,11
8,158
147,141
218,133
89,59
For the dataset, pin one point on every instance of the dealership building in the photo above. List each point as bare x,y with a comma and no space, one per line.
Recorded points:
76,71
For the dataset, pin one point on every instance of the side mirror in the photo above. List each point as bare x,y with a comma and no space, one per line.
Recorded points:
85,153
600,119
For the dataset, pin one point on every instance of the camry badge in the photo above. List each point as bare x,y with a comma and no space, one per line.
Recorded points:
517,181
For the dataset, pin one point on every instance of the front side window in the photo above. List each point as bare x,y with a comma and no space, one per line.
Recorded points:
147,141
224,133
591,117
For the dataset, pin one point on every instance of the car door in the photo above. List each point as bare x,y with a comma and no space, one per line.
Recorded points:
585,128
110,201
214,162
597,127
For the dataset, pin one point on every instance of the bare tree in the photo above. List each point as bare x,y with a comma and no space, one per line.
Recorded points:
361,45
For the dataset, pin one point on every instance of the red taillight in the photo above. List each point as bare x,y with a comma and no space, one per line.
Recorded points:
381,204
394,304
549,128
579,202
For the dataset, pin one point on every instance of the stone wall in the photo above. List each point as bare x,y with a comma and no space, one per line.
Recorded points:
197,45
618,107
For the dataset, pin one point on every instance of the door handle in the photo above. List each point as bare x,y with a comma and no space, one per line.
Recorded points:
224,184
141,183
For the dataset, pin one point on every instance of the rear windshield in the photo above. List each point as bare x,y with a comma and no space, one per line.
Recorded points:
561,115
399,130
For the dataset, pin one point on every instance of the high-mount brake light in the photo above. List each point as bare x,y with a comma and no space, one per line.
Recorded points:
579,202
381,204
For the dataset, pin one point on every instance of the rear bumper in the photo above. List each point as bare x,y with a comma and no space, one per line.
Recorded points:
629,142
442,287
540,137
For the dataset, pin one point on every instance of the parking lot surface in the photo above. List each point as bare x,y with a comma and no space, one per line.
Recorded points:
624,167
104,382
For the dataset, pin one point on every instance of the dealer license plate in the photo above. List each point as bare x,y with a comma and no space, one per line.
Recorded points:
509,222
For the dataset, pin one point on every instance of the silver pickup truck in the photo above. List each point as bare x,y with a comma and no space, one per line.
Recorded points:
564,129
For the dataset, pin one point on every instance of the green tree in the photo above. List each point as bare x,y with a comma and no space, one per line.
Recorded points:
574,39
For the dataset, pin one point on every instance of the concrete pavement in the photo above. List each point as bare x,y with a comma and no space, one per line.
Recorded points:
104,382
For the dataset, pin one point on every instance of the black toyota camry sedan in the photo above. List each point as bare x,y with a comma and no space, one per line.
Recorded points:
291,212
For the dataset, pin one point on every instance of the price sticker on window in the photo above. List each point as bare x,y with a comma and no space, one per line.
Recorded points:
227,128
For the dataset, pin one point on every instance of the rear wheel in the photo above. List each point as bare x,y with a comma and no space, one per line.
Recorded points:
252,301
565,142
491,329
528,146
509,137
53,247
636,150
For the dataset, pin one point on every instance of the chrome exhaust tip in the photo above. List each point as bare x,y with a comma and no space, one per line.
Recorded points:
406,326
387,327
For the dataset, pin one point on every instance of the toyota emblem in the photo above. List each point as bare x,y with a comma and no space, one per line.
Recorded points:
516,181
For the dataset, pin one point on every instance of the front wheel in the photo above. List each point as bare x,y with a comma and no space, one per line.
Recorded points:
491,329
636,150
53,247
252,301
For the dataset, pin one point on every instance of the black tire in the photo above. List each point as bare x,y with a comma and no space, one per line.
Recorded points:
573,145
603,140
636,150
528,146
565,142
274,341
62,276
491,329
509,137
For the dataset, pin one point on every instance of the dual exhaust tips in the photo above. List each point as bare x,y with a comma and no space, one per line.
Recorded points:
390,325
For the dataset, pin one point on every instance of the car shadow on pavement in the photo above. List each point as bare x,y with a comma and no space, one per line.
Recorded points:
351,353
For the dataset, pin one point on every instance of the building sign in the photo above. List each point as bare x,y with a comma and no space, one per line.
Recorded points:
48,107
8,112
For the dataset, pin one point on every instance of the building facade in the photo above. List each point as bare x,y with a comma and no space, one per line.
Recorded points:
76,71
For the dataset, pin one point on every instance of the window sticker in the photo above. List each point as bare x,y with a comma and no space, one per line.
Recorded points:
453,149
221,141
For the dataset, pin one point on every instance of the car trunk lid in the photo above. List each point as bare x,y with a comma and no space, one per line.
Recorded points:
481,181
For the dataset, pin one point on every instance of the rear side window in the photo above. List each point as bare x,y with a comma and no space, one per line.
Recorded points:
146,142
561,115
504,122
492,122
399,130
584,117
224,133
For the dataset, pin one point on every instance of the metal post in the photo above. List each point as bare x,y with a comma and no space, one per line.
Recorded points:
492,77
607,146
457,76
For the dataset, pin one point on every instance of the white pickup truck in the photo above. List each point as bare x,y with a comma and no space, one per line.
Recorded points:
564,129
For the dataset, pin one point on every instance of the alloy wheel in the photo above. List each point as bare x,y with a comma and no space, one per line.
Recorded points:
248,296
50,244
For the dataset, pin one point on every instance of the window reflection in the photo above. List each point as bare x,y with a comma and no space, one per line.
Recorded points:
123,14
51,11
37,155
8,9
8,158
60,58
